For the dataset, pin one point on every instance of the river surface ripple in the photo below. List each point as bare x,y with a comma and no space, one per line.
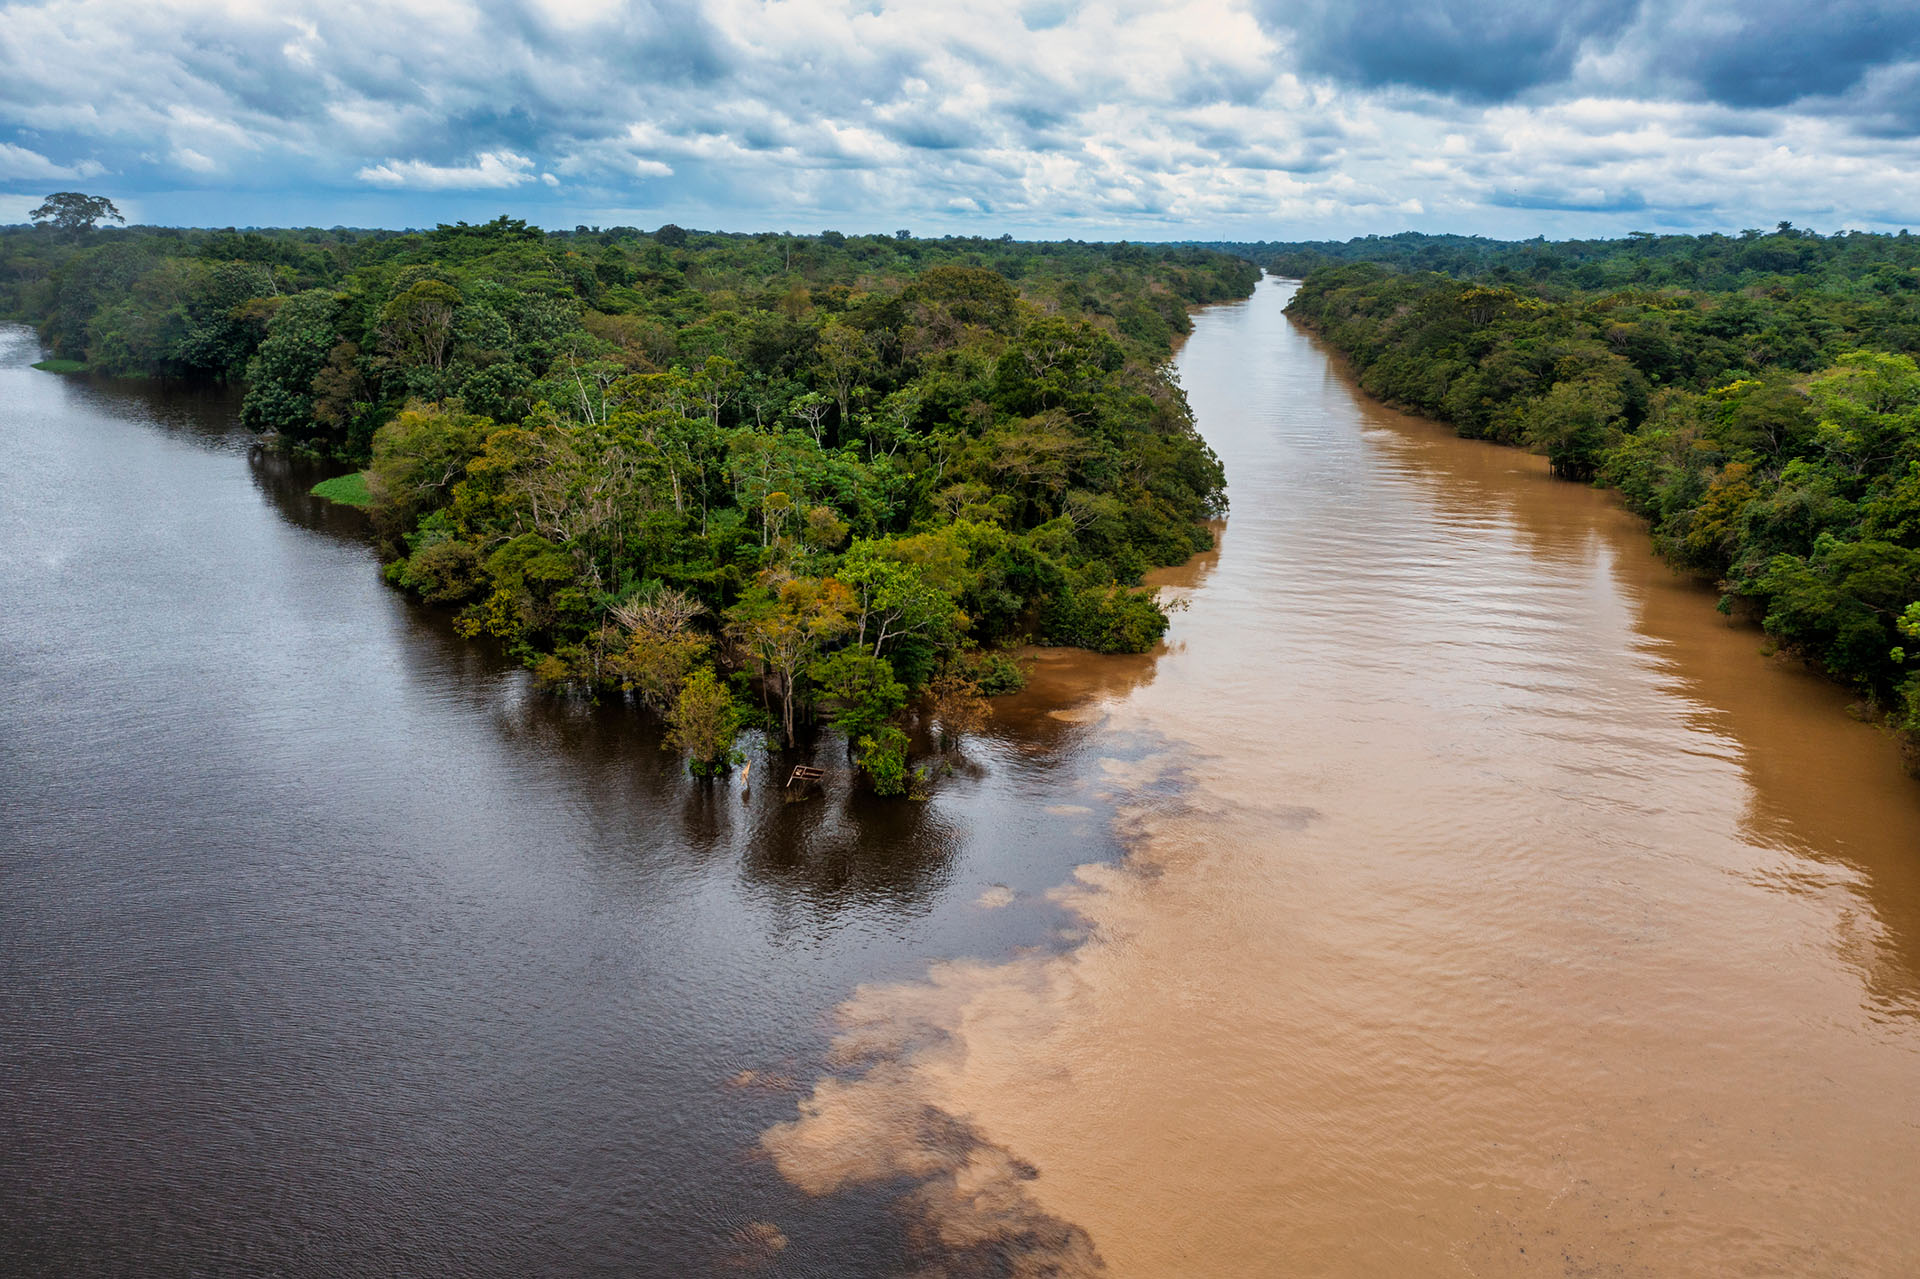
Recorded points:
1458,893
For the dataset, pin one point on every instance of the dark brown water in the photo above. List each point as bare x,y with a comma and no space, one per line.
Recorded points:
1489,906
328,948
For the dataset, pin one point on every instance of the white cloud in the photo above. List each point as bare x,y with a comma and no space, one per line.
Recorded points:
21,164
490,171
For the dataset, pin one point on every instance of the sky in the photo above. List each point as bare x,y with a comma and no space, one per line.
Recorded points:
1230,119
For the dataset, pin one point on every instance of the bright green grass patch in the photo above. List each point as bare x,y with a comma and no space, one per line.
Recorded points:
348,490
61,366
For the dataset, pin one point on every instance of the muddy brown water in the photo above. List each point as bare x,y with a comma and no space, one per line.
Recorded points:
1455,893
1492,907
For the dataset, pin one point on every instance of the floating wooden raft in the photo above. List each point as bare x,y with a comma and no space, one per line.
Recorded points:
804,773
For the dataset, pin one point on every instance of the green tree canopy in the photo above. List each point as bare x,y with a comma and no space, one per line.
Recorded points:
74,211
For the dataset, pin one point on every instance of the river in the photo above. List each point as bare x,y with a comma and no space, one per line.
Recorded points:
1455,892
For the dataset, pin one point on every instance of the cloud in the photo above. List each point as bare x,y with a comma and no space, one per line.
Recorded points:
1770,53
1477,50
490,171
1744,54
1580,200
1886,102
1146,118
19,163
193,161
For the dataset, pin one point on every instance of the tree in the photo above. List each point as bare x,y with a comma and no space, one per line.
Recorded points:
859,691
883,758
663,647
416,327
702,724
301,335
846,357
894,599
72,211
417,459
716,385
811,408
1845,604
959,706
784,625
1870,411
1573,423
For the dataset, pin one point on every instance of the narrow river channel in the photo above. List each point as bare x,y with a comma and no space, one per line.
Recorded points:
1456,893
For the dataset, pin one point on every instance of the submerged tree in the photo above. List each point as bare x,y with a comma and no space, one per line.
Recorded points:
702,724
663,647
883,758
959,706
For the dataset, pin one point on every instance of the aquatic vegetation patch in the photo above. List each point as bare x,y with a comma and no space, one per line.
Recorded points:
348,490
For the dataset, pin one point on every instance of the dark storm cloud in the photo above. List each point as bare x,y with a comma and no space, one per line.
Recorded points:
1475,50
1769,53
1887,103
1743,54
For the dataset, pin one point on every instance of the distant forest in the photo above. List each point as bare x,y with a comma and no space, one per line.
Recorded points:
770,480
1754,396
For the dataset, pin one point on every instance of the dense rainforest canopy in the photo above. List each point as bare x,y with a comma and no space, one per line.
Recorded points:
1755,397
735,477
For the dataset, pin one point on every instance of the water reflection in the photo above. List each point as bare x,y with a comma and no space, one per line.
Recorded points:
286,482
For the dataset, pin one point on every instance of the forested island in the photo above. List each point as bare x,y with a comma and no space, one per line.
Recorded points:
1755,397
746,480
782,480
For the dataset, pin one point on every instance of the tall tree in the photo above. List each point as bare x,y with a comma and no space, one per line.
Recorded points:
74,211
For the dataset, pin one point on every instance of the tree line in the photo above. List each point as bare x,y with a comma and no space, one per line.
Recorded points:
767,481
1764,415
